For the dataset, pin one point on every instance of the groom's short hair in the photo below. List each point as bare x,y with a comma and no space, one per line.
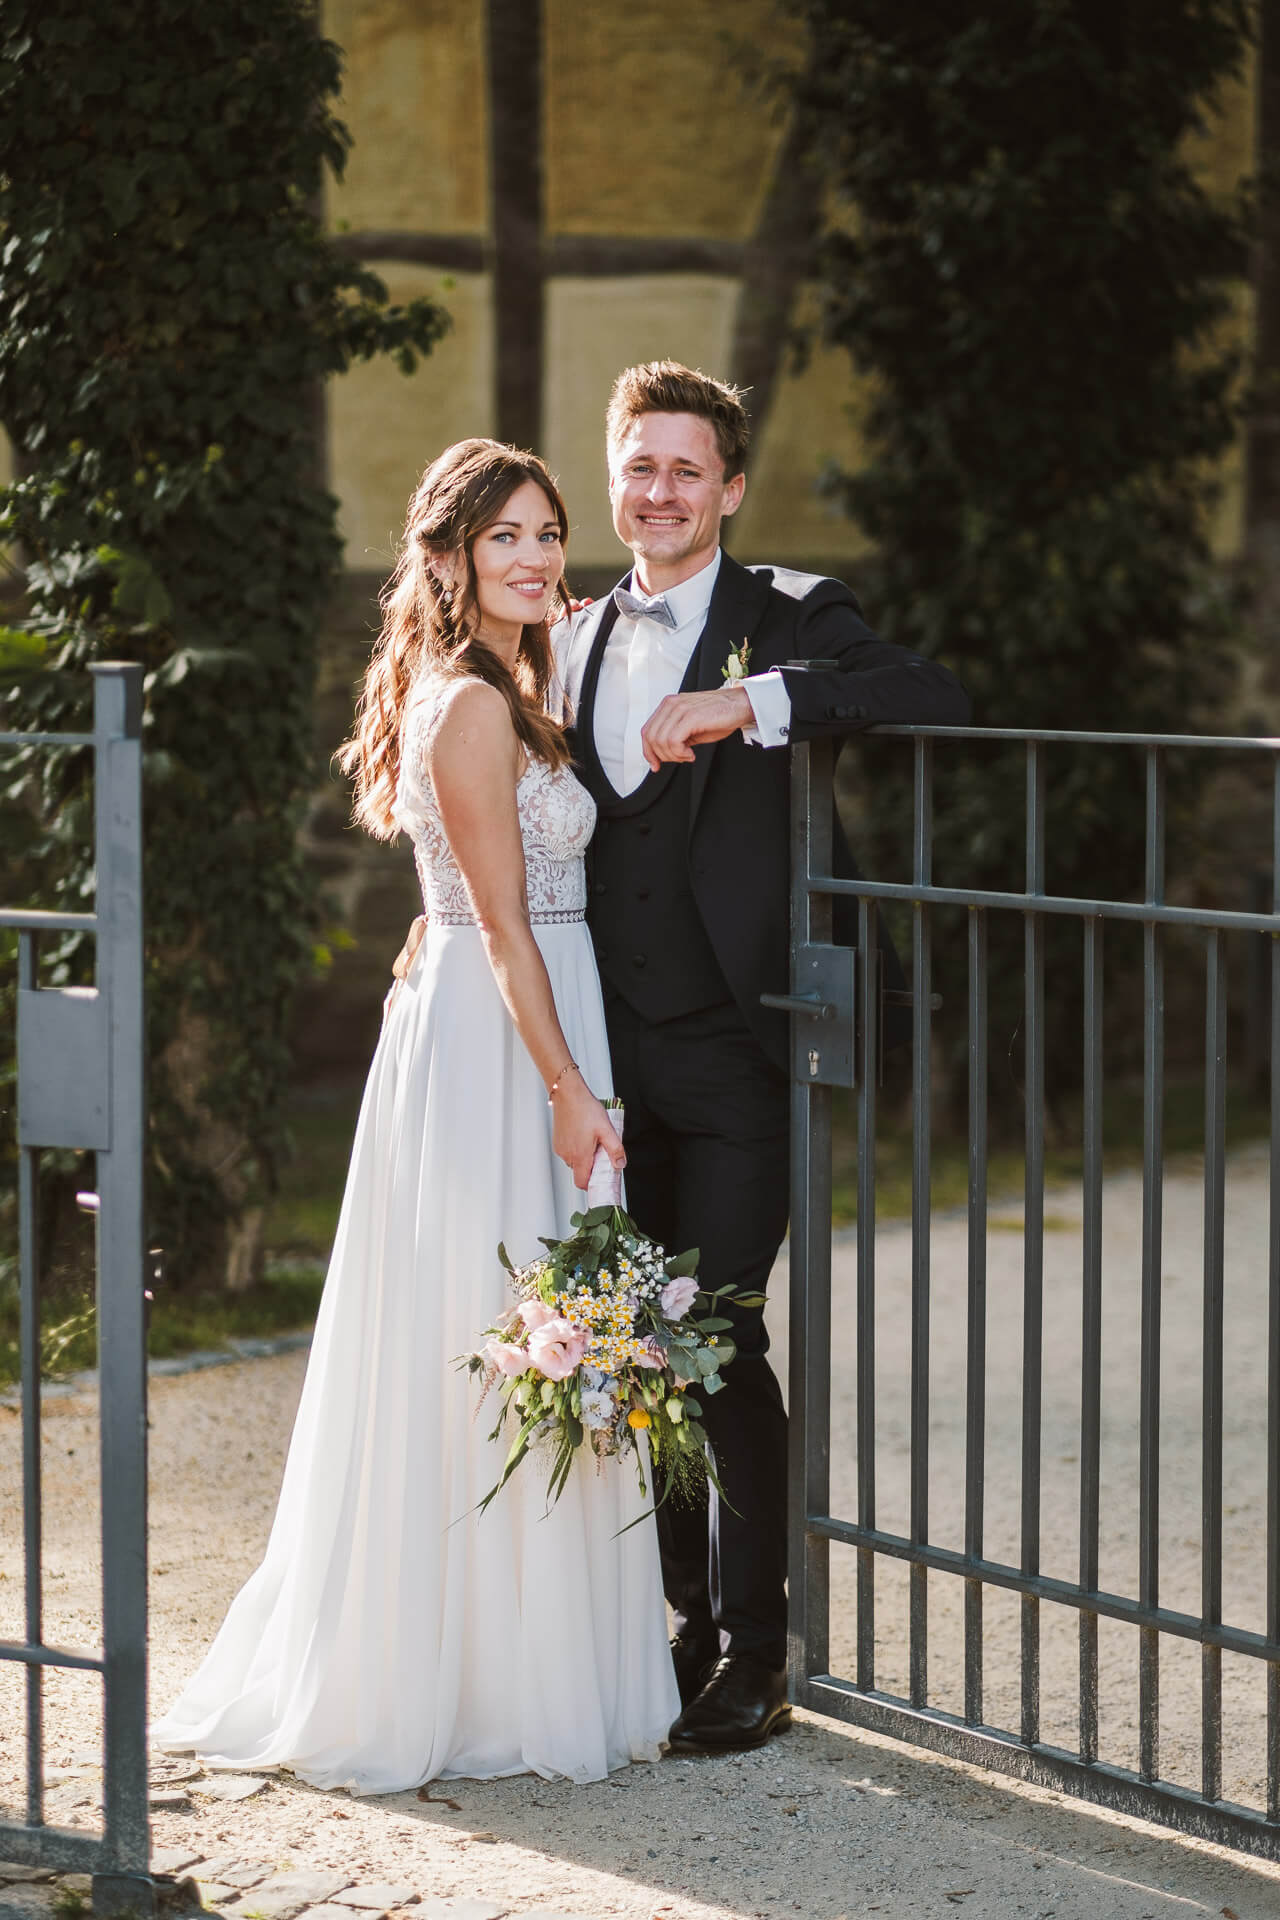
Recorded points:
664,386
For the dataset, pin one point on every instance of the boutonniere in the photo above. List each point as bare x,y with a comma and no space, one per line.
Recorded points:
735,667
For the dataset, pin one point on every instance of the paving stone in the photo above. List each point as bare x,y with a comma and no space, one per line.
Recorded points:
238,1873
10,1871
326,1912
554,1913
172,1773
378,1897
462,1910
216,1864
26,1900
216,1893
169,1799
77,1883
173,1859
285,1895
229,1786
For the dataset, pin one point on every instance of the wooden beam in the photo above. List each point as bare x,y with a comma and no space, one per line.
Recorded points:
515,195
450,252
592,256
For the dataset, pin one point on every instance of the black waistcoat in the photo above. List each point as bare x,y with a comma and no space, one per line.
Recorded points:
651,945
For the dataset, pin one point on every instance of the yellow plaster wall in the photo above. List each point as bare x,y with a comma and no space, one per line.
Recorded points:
413,96
594,329
385,427
650,126
812,424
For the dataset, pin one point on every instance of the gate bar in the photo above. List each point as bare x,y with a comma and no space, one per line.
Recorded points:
865,1313
976,1341
1091,1336
32,1509
1200,919
1273,1342
921,1084
1033,1246
1215,1087
1152,1275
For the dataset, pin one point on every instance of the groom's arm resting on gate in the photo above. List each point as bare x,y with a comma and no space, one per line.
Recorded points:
475,761
868,682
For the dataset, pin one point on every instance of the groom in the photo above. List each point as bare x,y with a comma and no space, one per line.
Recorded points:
688,902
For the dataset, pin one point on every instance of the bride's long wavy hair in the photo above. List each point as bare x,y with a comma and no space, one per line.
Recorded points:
459,495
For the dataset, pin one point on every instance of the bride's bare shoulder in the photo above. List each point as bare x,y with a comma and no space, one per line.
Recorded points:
471,727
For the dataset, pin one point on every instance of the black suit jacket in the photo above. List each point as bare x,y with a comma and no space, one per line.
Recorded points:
739,850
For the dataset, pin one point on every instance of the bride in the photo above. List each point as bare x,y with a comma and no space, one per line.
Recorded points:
392,1635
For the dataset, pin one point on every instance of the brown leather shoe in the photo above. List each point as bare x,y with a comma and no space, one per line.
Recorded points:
742,1704
693,1661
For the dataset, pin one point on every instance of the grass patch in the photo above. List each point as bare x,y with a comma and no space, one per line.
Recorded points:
180,1323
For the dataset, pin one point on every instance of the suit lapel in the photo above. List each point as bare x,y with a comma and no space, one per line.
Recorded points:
583,666
738,605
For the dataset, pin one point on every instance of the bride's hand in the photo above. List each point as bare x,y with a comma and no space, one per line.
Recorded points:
580,1125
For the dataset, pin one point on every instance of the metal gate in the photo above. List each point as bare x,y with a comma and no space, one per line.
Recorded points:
826,982
80,1085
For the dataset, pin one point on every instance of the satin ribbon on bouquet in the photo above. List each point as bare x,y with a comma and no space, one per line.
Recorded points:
604,1183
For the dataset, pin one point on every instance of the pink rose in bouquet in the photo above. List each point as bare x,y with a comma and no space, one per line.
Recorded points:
556,1347
678,1296
508,1359
650,1354
535,1313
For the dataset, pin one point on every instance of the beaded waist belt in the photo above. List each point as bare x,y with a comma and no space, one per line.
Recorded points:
560,917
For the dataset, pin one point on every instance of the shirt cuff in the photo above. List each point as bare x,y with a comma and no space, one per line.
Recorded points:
771,705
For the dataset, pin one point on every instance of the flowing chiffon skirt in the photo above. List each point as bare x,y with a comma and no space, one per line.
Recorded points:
392,1634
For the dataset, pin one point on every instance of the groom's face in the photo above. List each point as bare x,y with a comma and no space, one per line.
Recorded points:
669,494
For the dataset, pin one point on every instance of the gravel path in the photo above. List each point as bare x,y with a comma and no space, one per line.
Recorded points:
825,1822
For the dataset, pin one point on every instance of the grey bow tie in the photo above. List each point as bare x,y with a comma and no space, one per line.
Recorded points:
636,607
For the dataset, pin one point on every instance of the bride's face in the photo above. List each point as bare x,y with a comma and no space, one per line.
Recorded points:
518,559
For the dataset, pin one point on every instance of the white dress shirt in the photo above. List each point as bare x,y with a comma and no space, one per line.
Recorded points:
643,662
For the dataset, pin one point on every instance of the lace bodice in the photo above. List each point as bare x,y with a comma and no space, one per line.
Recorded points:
556,812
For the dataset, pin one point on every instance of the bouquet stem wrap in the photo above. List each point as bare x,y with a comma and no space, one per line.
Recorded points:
604,1183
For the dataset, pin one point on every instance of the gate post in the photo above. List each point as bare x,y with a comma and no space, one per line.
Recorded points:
809,1395
122,1398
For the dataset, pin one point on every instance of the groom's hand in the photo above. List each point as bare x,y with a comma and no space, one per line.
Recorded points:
684,721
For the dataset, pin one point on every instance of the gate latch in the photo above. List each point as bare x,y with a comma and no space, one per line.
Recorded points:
62,1068
822,1005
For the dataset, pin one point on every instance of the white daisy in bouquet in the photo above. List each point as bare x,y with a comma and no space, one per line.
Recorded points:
610,1338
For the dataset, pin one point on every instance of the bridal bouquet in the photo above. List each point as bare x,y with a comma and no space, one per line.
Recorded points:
609,1338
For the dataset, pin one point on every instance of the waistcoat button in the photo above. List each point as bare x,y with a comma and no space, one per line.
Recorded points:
637,960
644,827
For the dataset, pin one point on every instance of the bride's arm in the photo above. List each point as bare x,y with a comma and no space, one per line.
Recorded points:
474,760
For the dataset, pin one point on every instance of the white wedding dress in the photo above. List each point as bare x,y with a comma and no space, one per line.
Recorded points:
392,1634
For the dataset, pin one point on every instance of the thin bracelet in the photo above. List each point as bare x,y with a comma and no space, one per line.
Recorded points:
570,1066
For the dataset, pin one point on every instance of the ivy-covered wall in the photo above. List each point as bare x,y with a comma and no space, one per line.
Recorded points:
169,307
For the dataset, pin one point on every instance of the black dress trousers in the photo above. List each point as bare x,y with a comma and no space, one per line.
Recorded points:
707,1142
